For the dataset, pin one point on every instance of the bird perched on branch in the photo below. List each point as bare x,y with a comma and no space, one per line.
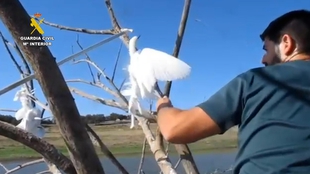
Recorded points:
146,67
30,116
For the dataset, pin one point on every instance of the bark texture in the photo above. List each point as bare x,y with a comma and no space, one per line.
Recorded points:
55,89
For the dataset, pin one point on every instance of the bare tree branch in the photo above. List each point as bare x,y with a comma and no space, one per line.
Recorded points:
87,57
55,89
29,86
122,84
142,156
116,27
183,150
97,141
119,95
111,103
44,172
8,110
24,165
80,30
179,39
97,84
47,150
178,163
116,62
6,169
19,68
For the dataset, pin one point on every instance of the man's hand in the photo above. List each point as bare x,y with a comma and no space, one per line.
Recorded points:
162,103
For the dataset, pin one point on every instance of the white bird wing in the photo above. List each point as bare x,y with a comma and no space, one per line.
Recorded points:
20,114
31,120
164,66
145,77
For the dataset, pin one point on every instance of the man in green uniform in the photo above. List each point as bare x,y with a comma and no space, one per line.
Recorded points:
271,105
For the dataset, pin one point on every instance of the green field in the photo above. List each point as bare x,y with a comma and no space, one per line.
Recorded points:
119,138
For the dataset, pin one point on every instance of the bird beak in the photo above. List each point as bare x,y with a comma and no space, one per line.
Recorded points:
139,36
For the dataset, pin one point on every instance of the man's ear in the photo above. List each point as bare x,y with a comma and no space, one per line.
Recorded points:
288,44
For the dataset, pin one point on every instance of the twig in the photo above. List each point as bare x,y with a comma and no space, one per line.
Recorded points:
6,169
87,57
142,156
8,110
44,172
43,110
19,68
122,84
24,165
116,62
178,163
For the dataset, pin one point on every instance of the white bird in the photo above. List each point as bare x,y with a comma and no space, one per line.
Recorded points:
146,67
21,95
31,122
31,117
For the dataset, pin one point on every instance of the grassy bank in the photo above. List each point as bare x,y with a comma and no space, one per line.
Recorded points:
120,140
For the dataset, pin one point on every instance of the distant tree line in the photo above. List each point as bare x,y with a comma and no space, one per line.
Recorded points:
89,118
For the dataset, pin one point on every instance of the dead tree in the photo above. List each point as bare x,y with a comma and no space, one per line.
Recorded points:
55,89
155,142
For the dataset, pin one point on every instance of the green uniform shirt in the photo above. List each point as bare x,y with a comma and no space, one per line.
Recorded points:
271,106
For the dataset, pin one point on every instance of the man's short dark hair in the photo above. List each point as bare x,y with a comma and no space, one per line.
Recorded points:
296,24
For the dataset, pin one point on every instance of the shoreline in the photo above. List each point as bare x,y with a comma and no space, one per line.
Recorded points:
120,140
29,154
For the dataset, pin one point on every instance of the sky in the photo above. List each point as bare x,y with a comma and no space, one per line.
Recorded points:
221,41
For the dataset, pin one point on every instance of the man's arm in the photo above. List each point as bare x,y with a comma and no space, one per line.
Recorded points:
214,116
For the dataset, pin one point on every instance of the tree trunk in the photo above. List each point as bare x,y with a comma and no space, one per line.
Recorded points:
55,89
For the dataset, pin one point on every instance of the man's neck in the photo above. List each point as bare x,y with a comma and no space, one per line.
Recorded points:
305,57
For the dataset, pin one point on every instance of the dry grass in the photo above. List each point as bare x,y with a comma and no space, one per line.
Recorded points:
119,138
